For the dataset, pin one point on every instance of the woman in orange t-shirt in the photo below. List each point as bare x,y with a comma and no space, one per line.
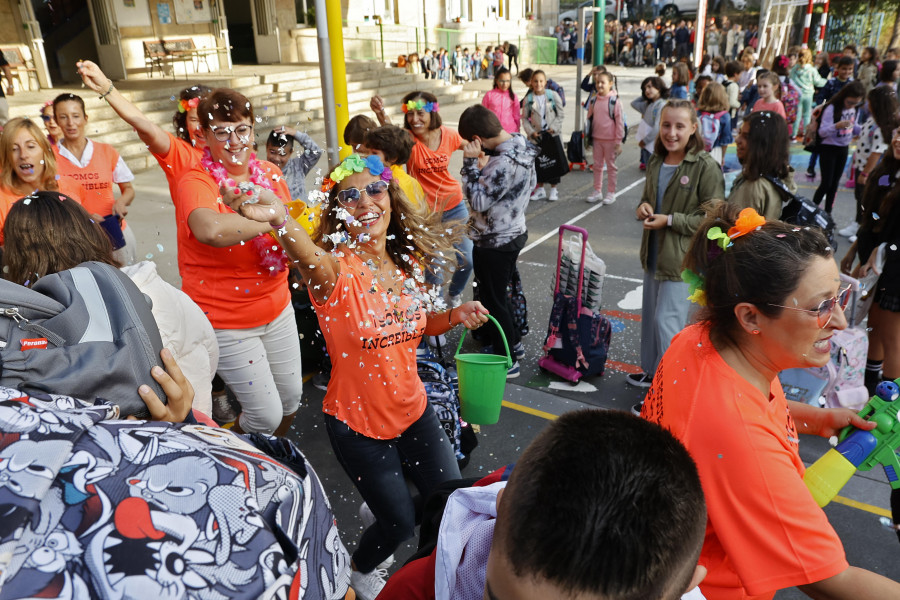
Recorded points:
175,155
717,390
27,164
229,268
429,165
368,288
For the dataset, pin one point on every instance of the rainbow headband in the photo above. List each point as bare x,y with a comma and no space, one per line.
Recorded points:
356,164
186,105
420,105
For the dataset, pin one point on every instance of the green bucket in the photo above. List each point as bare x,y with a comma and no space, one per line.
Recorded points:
482,382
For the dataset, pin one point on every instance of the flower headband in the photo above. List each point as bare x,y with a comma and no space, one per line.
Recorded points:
355,164
420,104
186,105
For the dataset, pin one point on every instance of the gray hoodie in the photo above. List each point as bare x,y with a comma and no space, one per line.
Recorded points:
498,194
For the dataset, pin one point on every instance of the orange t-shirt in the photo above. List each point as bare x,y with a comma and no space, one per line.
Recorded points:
67,186
177,161
764,530
229,284
430,168
372,338
96,178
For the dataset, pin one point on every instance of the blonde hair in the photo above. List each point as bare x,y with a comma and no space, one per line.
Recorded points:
8,177
713,98
695,143
805,57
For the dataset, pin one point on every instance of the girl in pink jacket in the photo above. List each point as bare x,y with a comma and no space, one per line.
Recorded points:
503,102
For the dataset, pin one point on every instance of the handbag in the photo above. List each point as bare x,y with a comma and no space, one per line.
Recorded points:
552,162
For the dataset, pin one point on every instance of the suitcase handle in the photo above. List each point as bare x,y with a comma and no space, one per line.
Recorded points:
559,251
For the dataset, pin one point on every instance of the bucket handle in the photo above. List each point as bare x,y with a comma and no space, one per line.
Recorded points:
502,335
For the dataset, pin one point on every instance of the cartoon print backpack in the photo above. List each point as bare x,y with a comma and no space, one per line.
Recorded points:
710,128
442,391
790,99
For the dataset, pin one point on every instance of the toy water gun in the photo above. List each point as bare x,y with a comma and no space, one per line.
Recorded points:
859,450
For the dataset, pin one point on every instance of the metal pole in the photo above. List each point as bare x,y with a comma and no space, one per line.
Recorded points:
820,43
381,37
699,32
807,23
417,40
579,63
599,32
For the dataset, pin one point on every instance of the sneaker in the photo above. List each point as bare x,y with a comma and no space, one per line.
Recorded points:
368,585
539,194
811,173
609,198
455,302
594,197
554,195
852,238
513,371
641,380
850,183
320,380
636,409
223,410
849,230
436,341
368,519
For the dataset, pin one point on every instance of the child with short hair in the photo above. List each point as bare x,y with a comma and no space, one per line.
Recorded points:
768,86
733,89
355,133
712,109
605,131
394,146
699,84
280,147
633,527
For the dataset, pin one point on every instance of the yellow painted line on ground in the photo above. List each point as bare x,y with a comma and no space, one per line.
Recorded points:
531,411
875,510
308,376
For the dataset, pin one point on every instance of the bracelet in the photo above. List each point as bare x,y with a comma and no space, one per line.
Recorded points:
111,87
287,215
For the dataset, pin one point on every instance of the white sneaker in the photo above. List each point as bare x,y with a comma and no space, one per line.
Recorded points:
539,194
595,196
850,230
609,198
554,195
368,519
455,302
368,585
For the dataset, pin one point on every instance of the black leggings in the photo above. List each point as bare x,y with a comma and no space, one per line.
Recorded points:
832,160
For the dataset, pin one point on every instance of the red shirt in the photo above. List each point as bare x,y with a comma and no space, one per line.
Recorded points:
764,530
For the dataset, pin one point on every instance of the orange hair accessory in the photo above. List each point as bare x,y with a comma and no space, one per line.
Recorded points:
748,220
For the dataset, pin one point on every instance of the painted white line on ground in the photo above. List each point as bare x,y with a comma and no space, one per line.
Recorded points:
577,218
620,277
631,279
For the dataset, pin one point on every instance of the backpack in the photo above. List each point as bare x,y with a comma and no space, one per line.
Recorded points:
841,381
612,115
442,391
803,212
790,99
574,152
811,137
710,128
86,332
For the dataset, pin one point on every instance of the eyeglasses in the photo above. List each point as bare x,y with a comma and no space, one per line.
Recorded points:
350,197
825,310
46,118
223,134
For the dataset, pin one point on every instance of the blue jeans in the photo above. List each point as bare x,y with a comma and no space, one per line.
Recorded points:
376,468
463,271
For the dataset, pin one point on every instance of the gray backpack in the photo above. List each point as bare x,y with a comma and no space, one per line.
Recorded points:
86,332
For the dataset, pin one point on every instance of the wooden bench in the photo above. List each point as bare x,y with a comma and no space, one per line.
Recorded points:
19,67
162,54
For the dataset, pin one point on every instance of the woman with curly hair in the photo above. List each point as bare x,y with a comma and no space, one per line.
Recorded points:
366,280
